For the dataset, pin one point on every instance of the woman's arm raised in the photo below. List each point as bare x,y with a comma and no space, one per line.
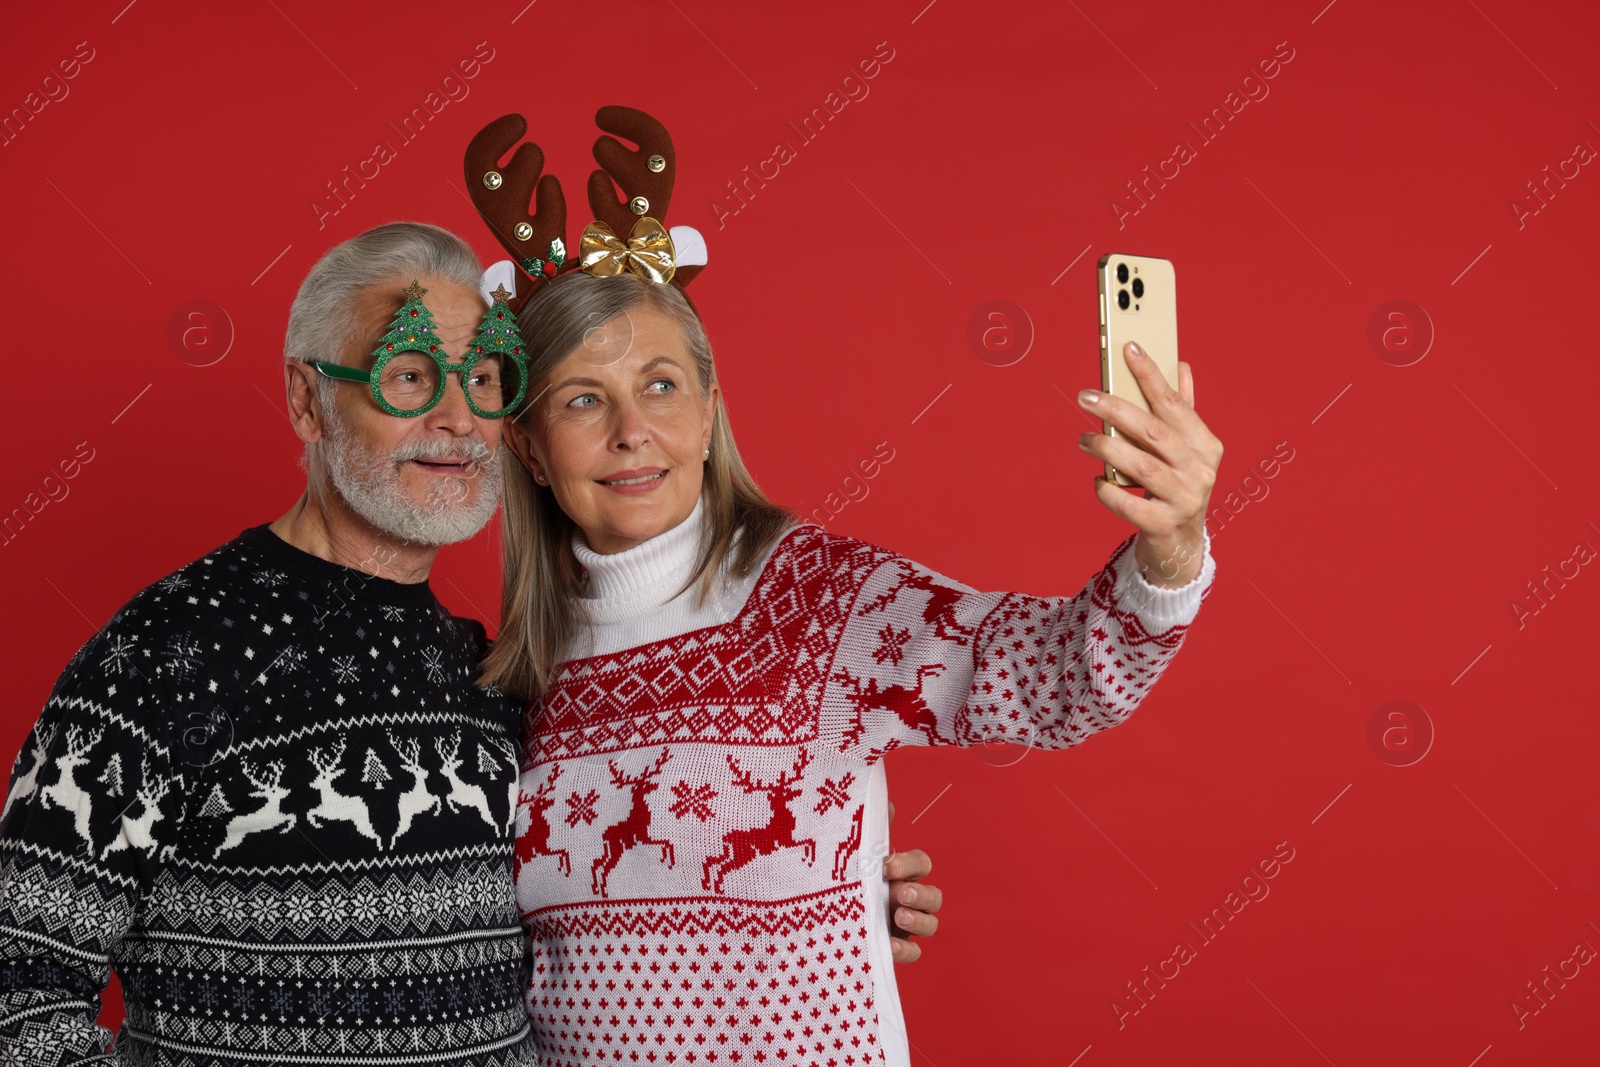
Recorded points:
923,659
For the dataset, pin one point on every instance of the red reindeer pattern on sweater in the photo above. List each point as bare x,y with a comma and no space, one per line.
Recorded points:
703,774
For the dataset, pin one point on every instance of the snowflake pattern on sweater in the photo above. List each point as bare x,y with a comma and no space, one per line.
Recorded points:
270,795
696,797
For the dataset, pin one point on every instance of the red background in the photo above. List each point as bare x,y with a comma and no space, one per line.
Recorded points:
1380,564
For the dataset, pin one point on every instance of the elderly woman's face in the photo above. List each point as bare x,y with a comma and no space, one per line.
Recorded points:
619,431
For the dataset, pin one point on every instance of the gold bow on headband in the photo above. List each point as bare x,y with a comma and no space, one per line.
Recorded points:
647,253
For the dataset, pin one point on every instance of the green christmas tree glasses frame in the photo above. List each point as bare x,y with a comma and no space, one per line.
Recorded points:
413,331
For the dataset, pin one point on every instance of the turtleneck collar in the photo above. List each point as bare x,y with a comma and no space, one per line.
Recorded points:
645,575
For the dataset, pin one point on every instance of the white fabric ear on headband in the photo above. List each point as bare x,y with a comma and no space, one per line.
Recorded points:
501,273
689,246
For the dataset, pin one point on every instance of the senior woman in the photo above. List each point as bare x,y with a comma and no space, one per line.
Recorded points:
714,684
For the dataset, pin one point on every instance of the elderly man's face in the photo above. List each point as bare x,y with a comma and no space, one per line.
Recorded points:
430,479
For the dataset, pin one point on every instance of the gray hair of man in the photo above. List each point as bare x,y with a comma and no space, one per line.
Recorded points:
322,320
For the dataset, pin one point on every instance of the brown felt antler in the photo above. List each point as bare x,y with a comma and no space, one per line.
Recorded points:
502,195
645,174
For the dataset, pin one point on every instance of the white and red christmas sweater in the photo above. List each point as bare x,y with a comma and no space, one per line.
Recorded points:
703,812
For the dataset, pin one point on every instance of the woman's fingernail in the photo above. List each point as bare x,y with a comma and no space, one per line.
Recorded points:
1088,396
908,895
1134,350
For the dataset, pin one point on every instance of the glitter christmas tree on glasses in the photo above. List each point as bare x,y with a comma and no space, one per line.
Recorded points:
408,372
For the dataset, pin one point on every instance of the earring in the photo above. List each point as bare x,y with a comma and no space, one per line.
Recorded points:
708,452
539,478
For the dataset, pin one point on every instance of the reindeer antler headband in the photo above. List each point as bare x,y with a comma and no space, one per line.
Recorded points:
537,241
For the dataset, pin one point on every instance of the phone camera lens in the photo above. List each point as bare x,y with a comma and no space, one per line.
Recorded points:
1122,273
1138,287
1122,299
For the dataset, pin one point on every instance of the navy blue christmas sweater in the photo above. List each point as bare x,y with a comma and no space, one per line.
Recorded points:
268,794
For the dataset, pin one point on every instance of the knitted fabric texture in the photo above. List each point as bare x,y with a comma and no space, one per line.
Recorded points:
270,796
702,819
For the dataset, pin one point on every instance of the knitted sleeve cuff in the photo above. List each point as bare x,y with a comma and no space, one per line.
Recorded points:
1157,607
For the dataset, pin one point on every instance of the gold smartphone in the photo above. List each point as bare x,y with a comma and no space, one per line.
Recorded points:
1138,302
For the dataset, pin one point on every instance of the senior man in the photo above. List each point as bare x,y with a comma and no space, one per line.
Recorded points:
269,792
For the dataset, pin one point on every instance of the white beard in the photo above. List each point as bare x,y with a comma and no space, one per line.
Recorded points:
371,484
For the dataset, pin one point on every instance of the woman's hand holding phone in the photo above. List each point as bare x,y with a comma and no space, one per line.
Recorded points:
1167,450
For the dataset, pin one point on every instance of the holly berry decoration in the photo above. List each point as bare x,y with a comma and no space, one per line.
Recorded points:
555,259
